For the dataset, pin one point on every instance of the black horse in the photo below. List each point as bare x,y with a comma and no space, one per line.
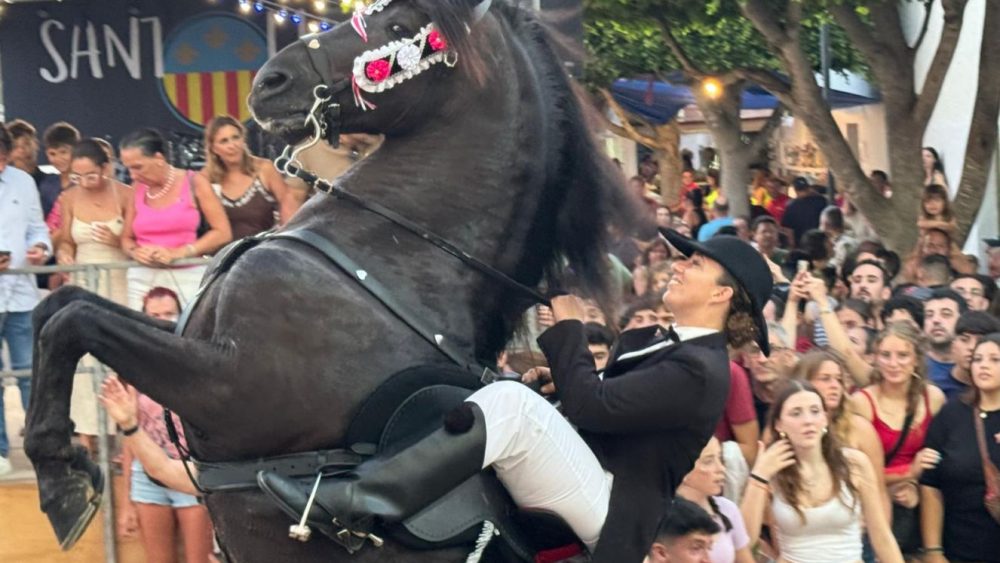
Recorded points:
491,153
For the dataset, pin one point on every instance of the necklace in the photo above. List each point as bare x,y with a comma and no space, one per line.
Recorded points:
166,186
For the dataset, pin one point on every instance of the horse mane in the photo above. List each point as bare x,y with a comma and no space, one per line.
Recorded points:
583,192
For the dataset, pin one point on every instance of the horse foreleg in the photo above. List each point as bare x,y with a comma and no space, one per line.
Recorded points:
144,353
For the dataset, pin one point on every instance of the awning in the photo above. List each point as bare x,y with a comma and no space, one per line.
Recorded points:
658,102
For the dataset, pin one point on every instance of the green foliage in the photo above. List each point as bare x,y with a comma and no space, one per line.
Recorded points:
624,38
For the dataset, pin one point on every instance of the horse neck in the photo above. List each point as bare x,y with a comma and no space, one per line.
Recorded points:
473,175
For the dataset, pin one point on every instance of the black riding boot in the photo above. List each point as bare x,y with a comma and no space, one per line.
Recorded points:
389,489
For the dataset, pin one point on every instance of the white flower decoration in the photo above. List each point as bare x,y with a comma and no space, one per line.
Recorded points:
408,57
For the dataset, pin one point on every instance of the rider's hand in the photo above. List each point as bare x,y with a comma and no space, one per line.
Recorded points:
542,374
121,403
772,460
568,307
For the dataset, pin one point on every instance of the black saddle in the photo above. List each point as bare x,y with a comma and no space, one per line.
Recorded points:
411,405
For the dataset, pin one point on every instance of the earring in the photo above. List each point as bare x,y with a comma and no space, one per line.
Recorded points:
783,436
826,430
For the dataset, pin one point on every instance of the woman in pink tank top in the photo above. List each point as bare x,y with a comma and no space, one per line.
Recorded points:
900,396
161,221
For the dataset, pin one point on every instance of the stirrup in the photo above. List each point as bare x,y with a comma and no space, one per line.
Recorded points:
349,539
302,531
353,541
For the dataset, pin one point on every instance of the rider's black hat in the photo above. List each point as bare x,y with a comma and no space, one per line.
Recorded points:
743,262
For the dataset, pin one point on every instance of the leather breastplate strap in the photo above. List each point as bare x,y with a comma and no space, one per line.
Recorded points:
379,292
242,475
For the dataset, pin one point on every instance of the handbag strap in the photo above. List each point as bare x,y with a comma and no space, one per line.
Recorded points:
907,422
990,471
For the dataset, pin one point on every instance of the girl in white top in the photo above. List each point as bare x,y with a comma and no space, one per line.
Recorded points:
813,491
703,486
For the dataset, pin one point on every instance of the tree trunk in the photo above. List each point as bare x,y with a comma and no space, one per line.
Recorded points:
897,221
983,131
722,116
668,157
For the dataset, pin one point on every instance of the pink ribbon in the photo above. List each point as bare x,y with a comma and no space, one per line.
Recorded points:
359,99
359,25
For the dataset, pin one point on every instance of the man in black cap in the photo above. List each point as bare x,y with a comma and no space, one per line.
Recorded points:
641,423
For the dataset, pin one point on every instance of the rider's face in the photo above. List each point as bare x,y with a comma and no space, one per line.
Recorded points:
695,282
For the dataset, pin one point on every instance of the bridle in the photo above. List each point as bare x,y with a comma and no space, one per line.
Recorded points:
323,120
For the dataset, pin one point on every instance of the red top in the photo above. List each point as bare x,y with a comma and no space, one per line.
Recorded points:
739,403
900,463
777,207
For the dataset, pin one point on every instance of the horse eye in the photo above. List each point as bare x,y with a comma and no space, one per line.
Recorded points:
399,31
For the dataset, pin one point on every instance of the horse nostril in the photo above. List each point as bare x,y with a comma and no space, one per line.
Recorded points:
273,80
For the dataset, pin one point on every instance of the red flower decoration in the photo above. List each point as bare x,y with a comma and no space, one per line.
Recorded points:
377,71
437,41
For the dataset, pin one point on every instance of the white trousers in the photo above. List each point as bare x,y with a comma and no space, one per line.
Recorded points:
541,460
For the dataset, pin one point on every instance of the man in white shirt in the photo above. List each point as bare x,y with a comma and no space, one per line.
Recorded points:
24,241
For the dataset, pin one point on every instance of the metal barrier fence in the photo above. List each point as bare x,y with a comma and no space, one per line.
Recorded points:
98,278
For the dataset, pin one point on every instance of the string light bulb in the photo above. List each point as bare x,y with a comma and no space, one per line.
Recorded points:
313,27
320,6
712,88
296,18
245,6
258,7
325,26
280,16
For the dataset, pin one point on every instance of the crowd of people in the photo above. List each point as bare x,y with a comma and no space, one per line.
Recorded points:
883,370
84,214
866,426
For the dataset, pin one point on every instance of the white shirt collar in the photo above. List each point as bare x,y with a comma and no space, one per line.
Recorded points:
685,333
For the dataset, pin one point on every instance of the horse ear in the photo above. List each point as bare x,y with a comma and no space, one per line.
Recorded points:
479,9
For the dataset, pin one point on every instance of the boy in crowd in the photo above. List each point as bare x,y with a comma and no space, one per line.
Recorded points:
684,535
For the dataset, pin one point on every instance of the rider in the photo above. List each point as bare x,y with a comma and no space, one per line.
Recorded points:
642,423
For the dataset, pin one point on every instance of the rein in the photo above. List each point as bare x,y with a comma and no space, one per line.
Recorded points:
289,164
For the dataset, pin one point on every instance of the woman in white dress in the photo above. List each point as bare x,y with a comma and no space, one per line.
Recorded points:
92,222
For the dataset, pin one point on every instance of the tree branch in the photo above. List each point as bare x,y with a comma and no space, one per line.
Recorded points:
769,82
678,51
766,21
982,141
954,11
626,129
923,28
887,20
793,19
764,135
862,36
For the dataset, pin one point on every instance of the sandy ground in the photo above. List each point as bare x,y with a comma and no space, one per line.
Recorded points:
25,535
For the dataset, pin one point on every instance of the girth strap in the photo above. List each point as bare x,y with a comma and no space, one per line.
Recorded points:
215,477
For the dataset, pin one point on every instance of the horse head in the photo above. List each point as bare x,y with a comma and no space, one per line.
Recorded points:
482,126
393,60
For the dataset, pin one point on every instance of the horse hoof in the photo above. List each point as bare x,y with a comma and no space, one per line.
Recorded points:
73,501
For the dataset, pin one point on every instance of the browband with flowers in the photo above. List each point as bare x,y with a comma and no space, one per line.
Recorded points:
381,69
